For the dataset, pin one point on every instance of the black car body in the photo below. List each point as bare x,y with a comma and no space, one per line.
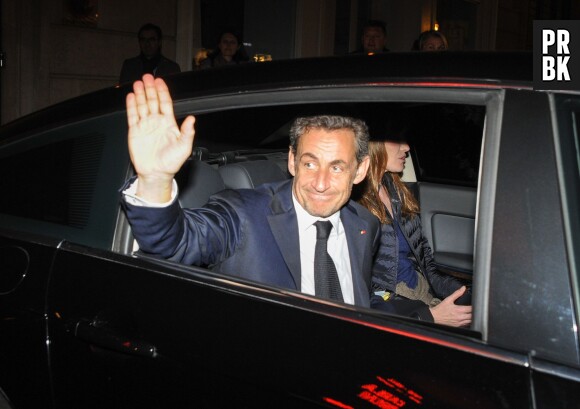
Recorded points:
87,321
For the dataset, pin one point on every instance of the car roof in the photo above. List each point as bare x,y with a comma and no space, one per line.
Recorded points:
469,69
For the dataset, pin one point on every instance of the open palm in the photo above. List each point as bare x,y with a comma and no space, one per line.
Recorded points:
157,146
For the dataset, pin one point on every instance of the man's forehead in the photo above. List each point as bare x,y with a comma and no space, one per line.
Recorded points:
313,132
341,139
149,33
373,30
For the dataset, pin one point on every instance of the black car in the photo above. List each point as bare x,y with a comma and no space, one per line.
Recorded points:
87,321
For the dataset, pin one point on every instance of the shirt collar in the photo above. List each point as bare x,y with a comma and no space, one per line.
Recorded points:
306,220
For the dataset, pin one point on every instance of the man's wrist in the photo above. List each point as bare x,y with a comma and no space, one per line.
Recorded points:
132,197
154,189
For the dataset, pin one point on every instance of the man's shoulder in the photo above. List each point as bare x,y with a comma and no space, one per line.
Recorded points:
364,213
132,60
170,64
260,196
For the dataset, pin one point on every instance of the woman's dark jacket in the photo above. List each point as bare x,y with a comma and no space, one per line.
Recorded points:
385,268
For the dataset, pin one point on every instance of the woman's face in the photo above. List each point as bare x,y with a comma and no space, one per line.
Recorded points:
433,44
397,155
228,45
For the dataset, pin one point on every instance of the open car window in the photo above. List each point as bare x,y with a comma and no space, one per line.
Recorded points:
445,136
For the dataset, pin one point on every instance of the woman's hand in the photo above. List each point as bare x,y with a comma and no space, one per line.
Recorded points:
448,313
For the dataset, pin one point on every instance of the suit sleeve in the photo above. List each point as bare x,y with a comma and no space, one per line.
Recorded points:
443,285
203,236
403,307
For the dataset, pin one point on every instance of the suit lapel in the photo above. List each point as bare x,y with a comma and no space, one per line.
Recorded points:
284,226
356,230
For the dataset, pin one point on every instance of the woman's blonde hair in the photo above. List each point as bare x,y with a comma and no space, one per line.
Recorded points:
370,193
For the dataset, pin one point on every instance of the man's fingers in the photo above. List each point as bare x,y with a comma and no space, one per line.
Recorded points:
132,115
151,93
165,102
141,99
187,129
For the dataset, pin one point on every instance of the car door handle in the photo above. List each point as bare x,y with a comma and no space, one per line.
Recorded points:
109,339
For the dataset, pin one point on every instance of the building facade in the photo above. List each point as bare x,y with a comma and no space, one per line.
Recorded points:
57,49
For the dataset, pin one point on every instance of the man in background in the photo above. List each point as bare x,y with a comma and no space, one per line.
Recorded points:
150,61
374,38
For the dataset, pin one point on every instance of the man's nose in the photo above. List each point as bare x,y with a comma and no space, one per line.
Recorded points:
321,181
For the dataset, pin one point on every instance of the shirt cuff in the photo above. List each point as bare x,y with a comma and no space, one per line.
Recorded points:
130,195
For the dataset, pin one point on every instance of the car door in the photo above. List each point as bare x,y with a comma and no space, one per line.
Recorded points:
24,263
533,287
51,180
131,332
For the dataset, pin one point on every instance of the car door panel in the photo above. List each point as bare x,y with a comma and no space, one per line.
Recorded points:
448,218
24,262
133,333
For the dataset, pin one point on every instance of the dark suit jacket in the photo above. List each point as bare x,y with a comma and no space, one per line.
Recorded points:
251,233
133,70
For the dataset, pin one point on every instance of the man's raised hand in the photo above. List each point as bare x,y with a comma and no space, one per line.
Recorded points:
157,146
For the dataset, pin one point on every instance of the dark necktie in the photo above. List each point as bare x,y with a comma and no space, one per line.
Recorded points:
326,283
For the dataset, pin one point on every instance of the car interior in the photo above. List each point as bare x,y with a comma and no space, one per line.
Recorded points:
442,173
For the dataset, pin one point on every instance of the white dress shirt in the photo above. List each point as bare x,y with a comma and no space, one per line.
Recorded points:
337,249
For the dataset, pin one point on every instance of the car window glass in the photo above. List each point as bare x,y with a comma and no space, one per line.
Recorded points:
63,183
447,143
52,183
447,137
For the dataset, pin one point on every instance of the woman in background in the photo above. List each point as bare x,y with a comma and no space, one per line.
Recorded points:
229,51
431,40
405,280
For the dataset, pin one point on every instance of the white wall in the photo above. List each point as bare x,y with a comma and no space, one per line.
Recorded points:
50,59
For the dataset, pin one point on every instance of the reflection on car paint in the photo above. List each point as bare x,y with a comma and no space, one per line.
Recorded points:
391,394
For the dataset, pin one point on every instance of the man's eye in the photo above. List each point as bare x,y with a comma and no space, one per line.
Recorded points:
337,169
309,165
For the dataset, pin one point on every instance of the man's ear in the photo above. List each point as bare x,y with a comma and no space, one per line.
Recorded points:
361,170
291,164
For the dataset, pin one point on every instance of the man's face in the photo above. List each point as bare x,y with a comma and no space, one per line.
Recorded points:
324,170
373,40
149,43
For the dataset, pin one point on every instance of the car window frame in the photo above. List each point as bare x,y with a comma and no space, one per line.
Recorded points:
565,110
490,97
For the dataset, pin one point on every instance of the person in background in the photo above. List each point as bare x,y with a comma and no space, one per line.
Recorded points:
431,40
229,51
374,38
405,280
150,60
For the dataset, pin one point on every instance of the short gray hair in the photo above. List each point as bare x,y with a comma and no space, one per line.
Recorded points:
332,123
